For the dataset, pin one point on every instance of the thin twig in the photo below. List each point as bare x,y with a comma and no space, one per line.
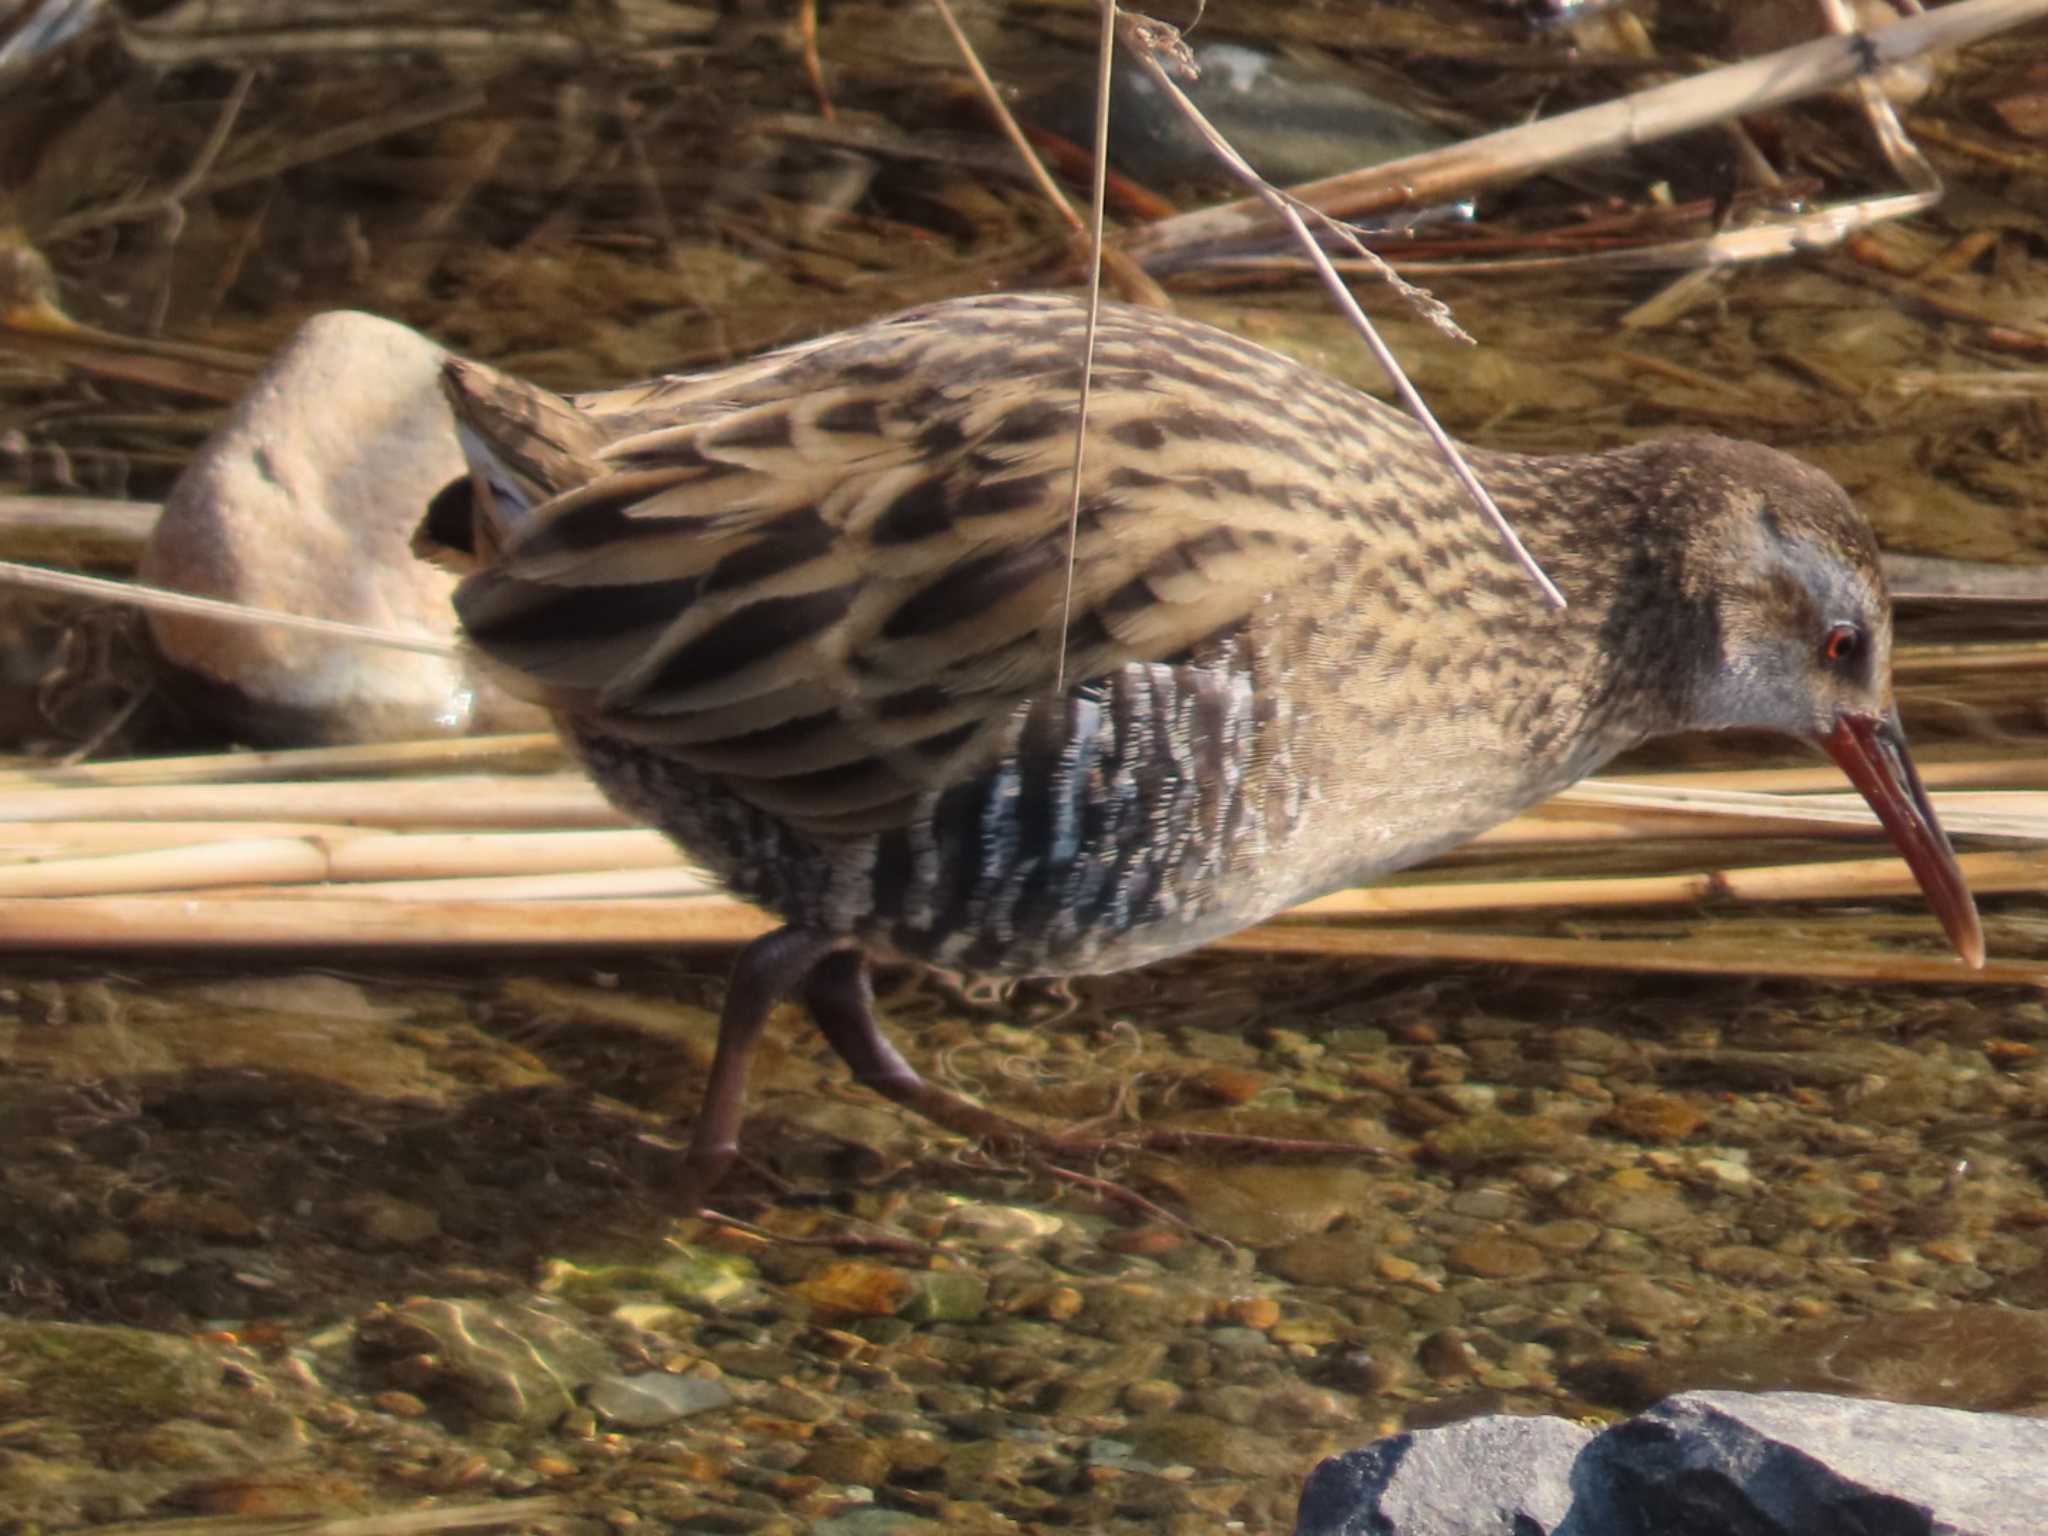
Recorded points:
1149,41
173,212
1513,154
1105,60
162,601
814,65
509,753
1007,123
553,800
304,150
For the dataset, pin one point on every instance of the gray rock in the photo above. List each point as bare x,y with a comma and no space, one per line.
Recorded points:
305,500
1803,1464
1700,1464
1499,1474
653,1398
502,1362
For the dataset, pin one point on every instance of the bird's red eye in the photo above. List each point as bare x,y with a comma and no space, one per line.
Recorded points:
1842,646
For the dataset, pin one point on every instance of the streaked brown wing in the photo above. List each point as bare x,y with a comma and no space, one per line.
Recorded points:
831,577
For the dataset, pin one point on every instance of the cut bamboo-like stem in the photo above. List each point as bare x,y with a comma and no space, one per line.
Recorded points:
158,921
1692,956
526,749
41,841
1838,880
2015,813
203,922
240,861
462,800
422,860
675,880
1969,773
83,528
1558,825
1918,663
569,801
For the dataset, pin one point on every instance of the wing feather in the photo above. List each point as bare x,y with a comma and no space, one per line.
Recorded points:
830,578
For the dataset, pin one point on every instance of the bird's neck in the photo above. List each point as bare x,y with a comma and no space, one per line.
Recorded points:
1602,530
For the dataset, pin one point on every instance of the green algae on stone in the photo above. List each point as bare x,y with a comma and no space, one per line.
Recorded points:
100,1379
947,1296
684,1276
1484,1140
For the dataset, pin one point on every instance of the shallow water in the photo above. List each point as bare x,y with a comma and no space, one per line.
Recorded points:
334,1234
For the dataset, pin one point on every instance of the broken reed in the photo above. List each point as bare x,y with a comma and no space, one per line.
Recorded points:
408,853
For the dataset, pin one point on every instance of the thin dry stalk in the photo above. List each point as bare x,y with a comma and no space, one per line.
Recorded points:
1007,123
150,922
1695,956
125,922
2017,384
555,800
353,855
83,529
163,600
44,841
531,749
1971,773
1918,662
677,882
2022,814
1840,880
1514,154
240,861
1967,581
1155,46
1557,826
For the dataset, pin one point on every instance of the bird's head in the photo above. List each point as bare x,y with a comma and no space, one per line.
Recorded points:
1784,572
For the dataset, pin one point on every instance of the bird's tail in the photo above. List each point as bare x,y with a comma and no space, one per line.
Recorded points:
525,446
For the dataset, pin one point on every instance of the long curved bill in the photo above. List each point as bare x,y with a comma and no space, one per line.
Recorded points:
1871,750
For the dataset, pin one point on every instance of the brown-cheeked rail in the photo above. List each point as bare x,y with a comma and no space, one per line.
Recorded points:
805,615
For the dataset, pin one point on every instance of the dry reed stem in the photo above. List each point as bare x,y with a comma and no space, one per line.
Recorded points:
129,922
1834,880
27,841
1676,804
2013,813
87,529
435,870
169,600
177,922
1969,773
1512,154
677,881
537,801
1919,662
527,749
1690,956
355,855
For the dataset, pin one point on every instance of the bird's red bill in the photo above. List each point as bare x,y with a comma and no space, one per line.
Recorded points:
1871,750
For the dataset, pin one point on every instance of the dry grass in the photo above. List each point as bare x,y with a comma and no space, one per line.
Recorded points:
588,206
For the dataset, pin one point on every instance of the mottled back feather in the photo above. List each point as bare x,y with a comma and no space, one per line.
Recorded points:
830,578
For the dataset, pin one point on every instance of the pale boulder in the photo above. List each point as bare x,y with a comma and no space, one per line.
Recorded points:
305,501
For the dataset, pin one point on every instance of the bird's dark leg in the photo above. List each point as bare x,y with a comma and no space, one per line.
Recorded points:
767,971
843,1003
